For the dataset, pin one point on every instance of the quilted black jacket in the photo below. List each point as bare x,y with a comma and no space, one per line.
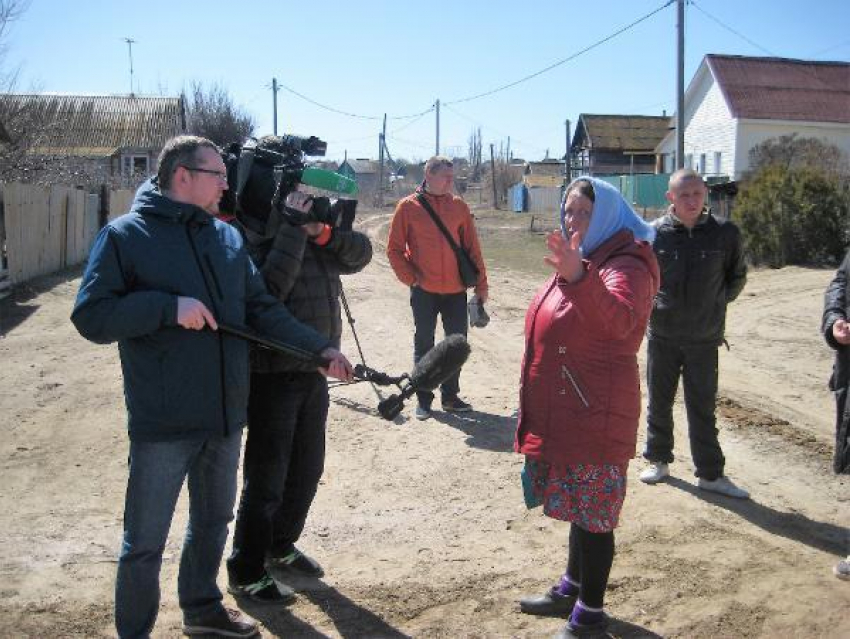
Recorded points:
702,270
306,277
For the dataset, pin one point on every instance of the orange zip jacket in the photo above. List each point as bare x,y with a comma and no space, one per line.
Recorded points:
419,252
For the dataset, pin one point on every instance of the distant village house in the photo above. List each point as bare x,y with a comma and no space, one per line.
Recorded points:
89,140
733,103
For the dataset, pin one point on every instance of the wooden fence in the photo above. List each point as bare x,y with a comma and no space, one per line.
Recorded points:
51,227
119,202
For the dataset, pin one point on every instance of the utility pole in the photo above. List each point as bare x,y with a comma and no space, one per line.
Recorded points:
274,104
508,152
493,174
130,43
381,141
567,156
680,84
438,128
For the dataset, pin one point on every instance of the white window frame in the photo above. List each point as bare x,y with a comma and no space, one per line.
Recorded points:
128,164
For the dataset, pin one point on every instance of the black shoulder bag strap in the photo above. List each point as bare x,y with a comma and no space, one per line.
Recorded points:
421,198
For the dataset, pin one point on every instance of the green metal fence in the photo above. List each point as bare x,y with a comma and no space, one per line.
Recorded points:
642,191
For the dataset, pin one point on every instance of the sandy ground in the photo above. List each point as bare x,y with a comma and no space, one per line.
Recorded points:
421,525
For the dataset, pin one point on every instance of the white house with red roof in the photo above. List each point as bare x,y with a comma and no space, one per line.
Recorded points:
734,103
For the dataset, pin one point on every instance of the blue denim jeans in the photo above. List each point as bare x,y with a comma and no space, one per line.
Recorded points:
157,473
426,307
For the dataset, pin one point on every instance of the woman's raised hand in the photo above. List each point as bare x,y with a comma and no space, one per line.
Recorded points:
565,255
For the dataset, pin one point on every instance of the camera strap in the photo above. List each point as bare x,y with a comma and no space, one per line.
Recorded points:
243,168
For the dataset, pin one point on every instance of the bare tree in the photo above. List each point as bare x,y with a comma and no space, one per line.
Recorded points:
794,152
212,114
23,125
10,11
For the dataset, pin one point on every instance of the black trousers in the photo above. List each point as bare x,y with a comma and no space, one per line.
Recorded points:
284,460
841,459
589,563
426,307
697,366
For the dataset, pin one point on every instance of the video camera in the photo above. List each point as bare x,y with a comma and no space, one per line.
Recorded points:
261,173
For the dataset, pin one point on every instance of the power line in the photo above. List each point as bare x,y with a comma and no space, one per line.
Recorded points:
348,113
731,30
410,142
481,124
416,116
800,72
412,122
828,49
564,61
358,139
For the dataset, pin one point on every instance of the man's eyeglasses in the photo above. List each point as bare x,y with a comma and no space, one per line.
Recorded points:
220,174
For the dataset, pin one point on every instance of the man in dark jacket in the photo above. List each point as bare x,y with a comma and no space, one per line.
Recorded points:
836,331
157,277
288,406
702,270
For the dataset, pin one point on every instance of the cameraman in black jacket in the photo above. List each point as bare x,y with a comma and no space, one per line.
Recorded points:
836,331
288,404
702,270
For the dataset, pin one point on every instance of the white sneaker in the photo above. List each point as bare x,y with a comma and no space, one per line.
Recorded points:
842,569
723,486
655,473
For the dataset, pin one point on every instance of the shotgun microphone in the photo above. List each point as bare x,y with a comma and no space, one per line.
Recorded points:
435,367
440,363
247,334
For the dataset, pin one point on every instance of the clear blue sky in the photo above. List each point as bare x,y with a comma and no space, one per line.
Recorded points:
370,57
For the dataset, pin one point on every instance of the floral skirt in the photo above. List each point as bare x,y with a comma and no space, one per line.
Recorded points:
590,496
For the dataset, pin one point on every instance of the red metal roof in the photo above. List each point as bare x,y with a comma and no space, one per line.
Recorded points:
782,88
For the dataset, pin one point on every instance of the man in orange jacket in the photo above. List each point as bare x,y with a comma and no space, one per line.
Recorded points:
423,260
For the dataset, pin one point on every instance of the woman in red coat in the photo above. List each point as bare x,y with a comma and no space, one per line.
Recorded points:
580,390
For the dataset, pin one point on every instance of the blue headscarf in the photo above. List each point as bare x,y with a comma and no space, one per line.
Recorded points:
611,213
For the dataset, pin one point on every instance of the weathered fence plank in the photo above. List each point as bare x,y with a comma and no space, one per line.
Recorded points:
49,228
119,202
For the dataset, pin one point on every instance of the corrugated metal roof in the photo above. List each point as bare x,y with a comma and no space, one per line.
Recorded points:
623,132
83,124
783,88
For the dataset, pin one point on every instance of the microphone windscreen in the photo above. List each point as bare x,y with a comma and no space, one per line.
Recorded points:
438,364
324,179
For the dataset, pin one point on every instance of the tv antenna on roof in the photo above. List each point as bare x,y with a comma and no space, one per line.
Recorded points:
130,43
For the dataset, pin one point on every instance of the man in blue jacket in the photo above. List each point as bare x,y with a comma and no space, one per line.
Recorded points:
157,277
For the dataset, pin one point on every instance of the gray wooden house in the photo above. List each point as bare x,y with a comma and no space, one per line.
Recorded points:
88,140
617,144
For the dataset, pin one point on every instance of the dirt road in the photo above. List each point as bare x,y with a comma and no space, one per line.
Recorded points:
421,525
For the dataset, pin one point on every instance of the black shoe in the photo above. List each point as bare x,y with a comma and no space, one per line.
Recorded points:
456,405
297,562
223,623
552,604
588,631
264,591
